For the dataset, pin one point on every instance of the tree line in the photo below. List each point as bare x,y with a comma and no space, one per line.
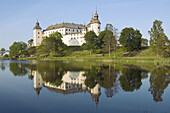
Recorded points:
108,41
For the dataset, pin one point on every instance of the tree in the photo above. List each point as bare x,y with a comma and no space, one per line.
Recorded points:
144,42
18,48
2,51
52,44
130,39
109,27
30,43
109,41
100,39
158,40
91,41
32,50
115,33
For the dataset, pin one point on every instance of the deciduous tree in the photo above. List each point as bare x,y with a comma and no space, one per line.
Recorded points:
144,42
2,51
52,44
91,41
109,41
17,48
130,39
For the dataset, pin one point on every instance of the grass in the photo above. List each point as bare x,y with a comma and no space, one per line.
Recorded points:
145,55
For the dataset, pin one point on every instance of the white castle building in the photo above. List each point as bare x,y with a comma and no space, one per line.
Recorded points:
73,34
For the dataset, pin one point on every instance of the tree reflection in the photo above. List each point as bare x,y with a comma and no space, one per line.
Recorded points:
109,73
18,69
93,76
131,78
2,66
51,72
159,80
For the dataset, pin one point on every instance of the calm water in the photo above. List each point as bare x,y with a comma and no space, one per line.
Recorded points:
82,87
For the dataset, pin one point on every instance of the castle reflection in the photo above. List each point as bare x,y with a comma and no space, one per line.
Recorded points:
72,82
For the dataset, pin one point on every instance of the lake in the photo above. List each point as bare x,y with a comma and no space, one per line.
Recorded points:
83,87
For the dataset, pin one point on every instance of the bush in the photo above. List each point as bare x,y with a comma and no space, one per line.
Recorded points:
6,56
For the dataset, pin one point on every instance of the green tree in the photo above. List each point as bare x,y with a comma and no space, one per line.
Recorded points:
109,27
18,48
2,51
52,44
115,33
32,50
158,40
91,41
109,41
30,43
144,42
100,39
130,39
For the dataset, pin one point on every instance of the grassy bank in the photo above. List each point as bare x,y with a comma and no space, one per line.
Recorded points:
145,56
123,60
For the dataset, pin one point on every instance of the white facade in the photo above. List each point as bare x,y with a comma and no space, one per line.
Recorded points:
37,37
73,34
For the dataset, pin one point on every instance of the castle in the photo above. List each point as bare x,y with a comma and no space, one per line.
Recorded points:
72,34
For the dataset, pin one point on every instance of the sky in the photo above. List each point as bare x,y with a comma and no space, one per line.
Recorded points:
18,17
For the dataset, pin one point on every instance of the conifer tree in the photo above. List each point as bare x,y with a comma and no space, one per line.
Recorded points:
158,40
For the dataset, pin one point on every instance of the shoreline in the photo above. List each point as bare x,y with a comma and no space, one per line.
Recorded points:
122,60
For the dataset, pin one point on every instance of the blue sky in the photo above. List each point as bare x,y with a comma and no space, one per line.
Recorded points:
18,17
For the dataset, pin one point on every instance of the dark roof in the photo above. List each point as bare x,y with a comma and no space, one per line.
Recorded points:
66,25
96,21
37,26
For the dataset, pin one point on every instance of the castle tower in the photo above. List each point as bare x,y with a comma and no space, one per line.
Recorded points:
84,30
95,93
37,35
94,24
38,82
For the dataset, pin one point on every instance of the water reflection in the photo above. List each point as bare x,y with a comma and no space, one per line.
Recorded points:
72,77
159,80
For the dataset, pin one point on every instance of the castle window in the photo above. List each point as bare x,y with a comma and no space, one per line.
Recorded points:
38,36
73,30
38,32
69,29
77,30
98,27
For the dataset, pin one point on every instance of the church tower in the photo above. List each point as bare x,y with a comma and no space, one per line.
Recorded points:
37,35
